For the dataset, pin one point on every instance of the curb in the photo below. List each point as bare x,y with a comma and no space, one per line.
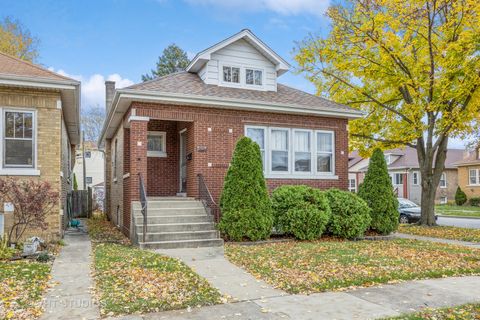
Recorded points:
457,217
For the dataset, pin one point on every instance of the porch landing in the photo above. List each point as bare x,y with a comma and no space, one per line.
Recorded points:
175,222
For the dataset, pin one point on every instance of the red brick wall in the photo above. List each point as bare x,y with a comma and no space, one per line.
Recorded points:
163,172
219,142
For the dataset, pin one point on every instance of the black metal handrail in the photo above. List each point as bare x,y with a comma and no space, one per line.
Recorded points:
206,197
143,203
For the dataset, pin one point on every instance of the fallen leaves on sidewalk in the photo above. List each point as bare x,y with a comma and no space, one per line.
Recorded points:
131,280
22,284
308,267
465,312
444,232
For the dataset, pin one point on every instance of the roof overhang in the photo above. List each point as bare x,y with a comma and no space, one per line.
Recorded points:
204,56
70,94
124,97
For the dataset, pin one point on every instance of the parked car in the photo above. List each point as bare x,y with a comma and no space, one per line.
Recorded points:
409,211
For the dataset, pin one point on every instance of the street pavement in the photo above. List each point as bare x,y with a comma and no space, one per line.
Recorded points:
459,222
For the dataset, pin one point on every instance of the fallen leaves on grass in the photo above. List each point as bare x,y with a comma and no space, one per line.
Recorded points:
308,267
22,284
444,232
465,312
102,230
132,280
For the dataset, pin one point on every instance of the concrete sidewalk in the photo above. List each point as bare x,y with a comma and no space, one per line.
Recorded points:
70,298
230,280
438,240
366,303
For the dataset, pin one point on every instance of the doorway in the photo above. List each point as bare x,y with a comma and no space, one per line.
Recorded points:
183,162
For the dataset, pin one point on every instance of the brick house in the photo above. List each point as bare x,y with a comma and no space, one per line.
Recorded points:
178,132
39,128
403,168
469,174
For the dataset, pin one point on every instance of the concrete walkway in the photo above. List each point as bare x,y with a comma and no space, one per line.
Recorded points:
438,240
230,280
361,304
70,298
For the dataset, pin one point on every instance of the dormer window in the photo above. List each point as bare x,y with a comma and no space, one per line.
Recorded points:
231,74
253,77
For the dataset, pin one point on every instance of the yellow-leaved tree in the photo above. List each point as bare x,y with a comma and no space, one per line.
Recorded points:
412,66
17,41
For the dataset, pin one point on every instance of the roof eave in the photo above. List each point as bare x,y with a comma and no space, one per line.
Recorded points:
66,87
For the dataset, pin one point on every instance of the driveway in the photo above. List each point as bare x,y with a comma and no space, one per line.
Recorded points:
459,222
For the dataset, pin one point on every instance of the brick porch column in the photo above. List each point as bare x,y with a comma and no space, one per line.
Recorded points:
138,155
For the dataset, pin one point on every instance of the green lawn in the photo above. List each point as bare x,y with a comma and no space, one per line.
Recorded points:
22,284
130,280
465,312
444,232
452,210
308,267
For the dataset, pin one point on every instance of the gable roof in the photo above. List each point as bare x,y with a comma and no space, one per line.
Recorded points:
15,72
13,66
186,83
204,56
407,158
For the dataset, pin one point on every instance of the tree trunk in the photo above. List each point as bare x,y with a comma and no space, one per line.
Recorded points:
431,160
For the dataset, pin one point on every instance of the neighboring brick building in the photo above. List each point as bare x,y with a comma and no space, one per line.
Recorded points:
469,174
171,129
43,108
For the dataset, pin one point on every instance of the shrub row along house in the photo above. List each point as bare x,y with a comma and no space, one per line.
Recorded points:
174,136
39,128
462,169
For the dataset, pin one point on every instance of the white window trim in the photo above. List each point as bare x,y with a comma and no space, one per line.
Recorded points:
312,155
332,172
439,184
254,86
477,177
158,154
443,202
291,174
354,189
243,76
415,174
19,170
226,83
394,180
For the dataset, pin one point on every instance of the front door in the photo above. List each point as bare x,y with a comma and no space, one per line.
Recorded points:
183,161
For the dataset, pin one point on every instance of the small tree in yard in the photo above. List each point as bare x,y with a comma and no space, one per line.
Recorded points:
246,207
75,183
32,201
377,191
460,197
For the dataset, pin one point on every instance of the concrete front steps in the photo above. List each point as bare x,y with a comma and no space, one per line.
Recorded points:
175,222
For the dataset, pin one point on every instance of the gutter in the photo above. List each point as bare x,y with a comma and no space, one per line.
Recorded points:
39,82
253,105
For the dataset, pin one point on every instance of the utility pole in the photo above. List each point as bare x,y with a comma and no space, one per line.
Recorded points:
84,165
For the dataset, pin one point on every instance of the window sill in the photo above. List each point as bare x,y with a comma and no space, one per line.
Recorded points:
153,154
19,172
473,185
301,177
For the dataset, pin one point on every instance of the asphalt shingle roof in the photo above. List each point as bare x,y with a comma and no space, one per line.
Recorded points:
191,84
16,67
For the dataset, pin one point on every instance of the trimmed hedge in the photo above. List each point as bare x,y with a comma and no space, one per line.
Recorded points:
301,211
245,204
377,191
460,197
475,202
350,214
